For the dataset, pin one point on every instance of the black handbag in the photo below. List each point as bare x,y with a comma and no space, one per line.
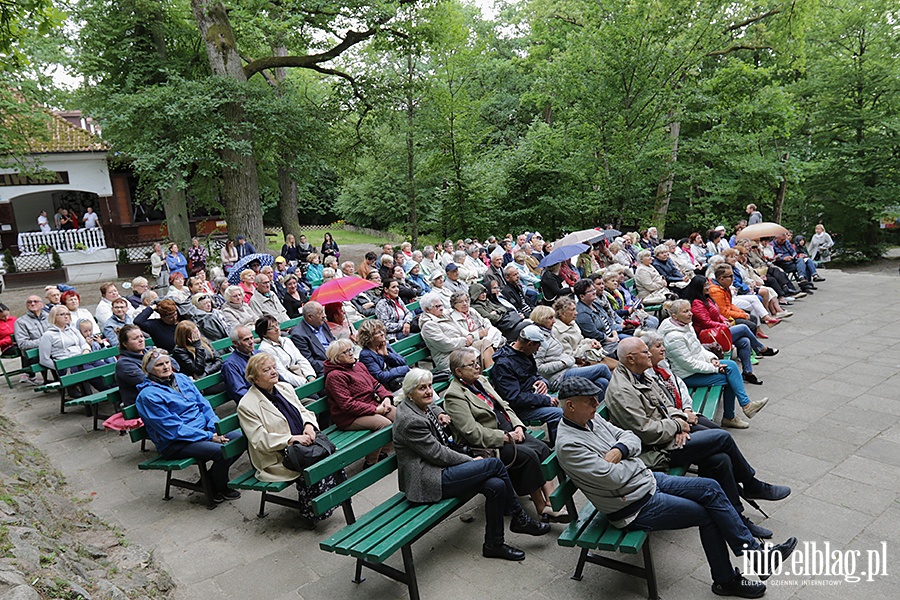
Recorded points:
297,456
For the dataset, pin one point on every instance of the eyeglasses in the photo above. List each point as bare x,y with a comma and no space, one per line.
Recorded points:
348,351
472,365
158,352
32,301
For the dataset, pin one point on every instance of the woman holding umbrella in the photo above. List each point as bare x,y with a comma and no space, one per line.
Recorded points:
553,285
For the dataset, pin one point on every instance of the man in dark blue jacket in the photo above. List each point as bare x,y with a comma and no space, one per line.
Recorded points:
312,335
233,367
243,247
514,375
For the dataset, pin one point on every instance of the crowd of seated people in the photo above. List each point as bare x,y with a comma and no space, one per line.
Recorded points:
478,307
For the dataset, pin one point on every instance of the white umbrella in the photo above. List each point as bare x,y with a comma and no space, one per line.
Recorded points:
585,236
761,230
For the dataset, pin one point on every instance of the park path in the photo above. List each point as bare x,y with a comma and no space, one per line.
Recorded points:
831,431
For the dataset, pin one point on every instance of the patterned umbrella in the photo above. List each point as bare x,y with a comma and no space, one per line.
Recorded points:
562,254
341,290
265,260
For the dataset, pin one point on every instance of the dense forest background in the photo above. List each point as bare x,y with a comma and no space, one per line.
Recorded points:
441,119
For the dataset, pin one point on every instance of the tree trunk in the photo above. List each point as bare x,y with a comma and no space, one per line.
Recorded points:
287,202
240,180
175,205
780,194
287,185
664,188
411,153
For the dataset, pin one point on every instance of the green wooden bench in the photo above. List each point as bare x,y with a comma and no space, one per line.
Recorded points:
395,524
170,466
650,308
16,353
592,531
106,372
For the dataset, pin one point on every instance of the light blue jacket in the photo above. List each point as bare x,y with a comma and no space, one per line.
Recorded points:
172,416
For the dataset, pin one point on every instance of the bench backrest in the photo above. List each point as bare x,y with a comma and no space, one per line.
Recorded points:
83,359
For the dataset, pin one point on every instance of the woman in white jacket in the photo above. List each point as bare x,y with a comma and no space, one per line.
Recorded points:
555,363
651,287
699,367
292,366
61,339
443,335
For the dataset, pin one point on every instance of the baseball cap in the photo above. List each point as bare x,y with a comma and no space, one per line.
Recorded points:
436,274
280,259
451,267
532,333
577,386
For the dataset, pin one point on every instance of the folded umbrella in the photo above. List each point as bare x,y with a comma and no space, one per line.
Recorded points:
265,260
563,253
761,230
341,290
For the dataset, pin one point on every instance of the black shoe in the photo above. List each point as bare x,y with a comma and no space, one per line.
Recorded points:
782,550
751,378
769,351
522,523
226,495
812,287
757,531
758,490
740,587
504,551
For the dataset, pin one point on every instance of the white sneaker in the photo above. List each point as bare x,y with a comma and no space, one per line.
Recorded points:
784,314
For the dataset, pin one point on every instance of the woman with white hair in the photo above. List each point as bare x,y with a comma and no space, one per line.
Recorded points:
429,469
650,285
443,335
235,311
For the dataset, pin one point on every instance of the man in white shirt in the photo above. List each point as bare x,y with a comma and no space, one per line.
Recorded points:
43,222
91,220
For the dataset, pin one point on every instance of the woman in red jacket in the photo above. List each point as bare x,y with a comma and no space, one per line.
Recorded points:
356,400
706,316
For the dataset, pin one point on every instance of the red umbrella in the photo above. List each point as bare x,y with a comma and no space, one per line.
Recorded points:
341,290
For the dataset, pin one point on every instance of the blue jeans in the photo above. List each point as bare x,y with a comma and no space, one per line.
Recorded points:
806,268
208,450
599,374
734,385
682,502
717,456
489,478
745,341
545,414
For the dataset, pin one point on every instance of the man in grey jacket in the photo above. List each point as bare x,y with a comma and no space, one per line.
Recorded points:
28,329
603,461
639,403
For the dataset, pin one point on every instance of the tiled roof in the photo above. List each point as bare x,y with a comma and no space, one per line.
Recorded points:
65,137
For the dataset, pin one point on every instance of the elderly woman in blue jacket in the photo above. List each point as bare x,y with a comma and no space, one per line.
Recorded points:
180,421
385,365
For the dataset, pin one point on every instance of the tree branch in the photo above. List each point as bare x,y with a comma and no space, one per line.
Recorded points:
735,48
569,20
308,61
269,79
751,20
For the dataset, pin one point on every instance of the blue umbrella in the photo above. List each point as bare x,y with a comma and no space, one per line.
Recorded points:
564,253
265,260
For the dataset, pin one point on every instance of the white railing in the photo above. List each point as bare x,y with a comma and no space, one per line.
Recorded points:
64,241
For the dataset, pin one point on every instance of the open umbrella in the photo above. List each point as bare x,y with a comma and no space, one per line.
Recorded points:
562,253
761,230
341,290
265,260
611,233
585,236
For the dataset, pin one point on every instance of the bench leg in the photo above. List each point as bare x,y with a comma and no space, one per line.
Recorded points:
62,400
579,568
358,578
168,496
650,571
262,504
410,568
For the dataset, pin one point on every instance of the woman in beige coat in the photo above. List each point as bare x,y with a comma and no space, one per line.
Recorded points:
273,418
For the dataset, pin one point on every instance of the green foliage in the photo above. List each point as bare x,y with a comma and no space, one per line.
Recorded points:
55,260
10,261
123,256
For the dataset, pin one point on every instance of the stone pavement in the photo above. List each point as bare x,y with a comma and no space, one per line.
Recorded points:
831,431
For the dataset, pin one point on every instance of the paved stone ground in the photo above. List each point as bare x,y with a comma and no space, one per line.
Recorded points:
831,431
